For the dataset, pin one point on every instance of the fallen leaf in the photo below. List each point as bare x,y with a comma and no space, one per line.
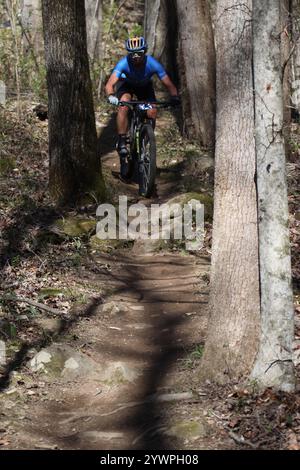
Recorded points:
293,442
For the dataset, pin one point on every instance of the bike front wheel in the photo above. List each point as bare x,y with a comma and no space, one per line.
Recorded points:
147,164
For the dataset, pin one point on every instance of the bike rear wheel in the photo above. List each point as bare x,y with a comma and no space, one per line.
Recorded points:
147,164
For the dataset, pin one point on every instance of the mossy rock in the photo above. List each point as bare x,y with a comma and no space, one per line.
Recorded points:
187,429
75,227
59,360
205,199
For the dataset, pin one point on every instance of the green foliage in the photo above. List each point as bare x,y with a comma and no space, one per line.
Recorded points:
7,164
198,352
136,30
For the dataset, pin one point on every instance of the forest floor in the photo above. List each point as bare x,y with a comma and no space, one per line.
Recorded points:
104,339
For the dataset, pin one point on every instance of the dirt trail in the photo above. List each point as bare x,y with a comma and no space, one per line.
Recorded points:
123,376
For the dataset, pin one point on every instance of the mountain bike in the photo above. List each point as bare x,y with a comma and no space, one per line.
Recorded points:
142,145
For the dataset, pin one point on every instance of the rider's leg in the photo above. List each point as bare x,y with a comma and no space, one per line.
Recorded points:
122,126
152,115
122,117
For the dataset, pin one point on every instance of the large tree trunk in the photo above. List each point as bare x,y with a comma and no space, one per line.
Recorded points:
197,70
273,367
160,30
74,164
93,10
233,334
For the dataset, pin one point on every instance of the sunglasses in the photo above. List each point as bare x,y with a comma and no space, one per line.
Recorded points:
137,55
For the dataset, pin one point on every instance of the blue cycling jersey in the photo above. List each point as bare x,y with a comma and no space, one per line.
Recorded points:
139,76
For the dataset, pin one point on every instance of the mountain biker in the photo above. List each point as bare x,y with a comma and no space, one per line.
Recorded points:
132,76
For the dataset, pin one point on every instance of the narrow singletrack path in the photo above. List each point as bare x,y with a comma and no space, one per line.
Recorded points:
123,375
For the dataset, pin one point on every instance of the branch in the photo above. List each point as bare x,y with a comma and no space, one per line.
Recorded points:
53,311
287,61
275,362
241,439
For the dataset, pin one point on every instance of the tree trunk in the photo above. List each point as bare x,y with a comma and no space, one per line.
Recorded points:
31,20
74,164
93,9
273,367
296,55
233,334
284,32
197,68
160,30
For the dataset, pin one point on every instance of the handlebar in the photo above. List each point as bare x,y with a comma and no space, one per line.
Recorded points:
161,104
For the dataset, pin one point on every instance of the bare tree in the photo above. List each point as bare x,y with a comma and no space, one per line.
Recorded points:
197,70
31,22
233,335
93,9
160,30
273,366
74,164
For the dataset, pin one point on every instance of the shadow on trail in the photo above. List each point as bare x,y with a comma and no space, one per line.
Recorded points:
146,417
150,419
65,324
107,138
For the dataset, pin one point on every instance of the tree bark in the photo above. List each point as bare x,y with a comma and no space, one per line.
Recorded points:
93,9
273,367
197,70
160,30
296,55
285,32
74,164
233,334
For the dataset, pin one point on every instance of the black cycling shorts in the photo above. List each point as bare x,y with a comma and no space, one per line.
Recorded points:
145,92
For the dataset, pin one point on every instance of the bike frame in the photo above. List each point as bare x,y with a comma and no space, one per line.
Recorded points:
142,144
139,118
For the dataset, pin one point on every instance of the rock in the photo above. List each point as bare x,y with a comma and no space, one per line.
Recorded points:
119,373
107,246
187,429
205,199
71,364
114,307
200,162
74,227
140,308
64,361
94,436
39,361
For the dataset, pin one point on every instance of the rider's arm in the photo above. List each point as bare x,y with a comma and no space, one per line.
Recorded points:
169,85
109,87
